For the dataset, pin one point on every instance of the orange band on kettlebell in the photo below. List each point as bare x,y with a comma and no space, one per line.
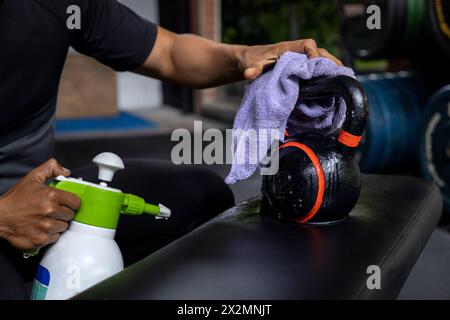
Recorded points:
320,176
348,139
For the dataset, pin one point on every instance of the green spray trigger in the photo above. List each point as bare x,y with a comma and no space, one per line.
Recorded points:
101,205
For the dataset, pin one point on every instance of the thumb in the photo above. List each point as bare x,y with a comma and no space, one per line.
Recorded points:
48,170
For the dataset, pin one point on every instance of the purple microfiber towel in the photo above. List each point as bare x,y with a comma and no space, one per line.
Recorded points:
271,105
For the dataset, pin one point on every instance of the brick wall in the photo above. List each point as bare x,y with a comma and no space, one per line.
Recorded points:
87,89
206,21
206,18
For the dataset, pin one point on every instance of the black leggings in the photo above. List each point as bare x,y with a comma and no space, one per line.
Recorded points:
194,194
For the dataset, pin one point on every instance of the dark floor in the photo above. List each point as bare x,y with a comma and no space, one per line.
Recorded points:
430,278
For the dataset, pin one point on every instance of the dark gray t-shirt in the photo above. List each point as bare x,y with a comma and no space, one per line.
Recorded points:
34,40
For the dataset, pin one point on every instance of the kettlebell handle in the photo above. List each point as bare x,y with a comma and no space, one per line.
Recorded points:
354,96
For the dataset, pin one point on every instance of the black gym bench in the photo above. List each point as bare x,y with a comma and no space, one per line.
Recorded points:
243,255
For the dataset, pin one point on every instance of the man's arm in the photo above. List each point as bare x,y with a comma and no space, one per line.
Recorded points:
201,63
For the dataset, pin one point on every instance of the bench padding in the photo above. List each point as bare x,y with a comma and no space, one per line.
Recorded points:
241,255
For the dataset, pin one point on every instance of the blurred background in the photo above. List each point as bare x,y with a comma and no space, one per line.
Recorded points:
404,68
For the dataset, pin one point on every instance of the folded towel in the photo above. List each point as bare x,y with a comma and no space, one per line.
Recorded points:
271,105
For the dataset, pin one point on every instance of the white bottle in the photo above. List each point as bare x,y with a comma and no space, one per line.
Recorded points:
86,253
83,256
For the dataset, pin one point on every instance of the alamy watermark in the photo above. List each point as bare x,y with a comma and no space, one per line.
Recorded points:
73,282
374,20
232,146
374,280
73,22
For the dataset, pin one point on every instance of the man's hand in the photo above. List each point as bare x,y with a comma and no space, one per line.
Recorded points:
253,59
32,214
201,63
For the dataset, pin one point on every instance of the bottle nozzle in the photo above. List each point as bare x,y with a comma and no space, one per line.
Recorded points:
134,205
160,211
164,212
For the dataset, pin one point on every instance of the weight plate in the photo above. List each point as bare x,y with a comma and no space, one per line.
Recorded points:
361,41
439,14
371,153
394,124
399,15
420,19
409,97
415,24
435,142
391,135
380,136
415,86
411,22
400,124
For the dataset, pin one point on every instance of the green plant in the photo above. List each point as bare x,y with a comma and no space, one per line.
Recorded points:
269,21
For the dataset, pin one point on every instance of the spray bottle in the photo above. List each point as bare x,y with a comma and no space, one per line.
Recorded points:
86,253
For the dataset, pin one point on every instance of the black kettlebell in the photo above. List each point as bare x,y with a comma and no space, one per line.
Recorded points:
319,180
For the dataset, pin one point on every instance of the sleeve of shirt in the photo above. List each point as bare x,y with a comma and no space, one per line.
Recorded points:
114,35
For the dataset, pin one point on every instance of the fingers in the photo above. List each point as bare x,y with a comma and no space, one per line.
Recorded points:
38,240
63,213
61,204
49,232
48,170
67,199
325,54
256,58
252,72
43,239
54,238
53,226
310,48
21,243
